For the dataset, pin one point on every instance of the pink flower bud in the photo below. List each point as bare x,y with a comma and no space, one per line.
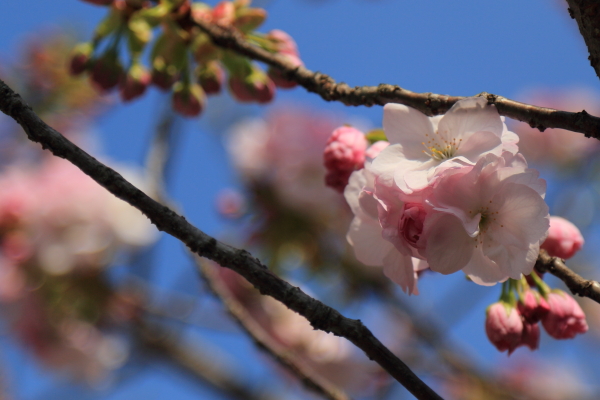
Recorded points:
223,13
504,327
376,148
106,72
344,153
256,87
531,336
188,100
80,58
411,223
564,239
135,83
278,77
163,75
533,308
565,318
248,19
283,42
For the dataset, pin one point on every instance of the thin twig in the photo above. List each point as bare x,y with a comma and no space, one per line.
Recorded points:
428,103
320,316
195,361
264,341
576,284
587,15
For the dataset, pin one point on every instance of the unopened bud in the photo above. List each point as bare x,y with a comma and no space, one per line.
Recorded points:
504,327
223,13
211,77
106,72
248,19
564,239
343,154
255,87
188,100
134,83
80,58
283,43
163,75
565,319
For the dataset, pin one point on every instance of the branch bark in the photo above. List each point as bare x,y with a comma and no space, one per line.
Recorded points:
576,284
320,316
428,103
587,15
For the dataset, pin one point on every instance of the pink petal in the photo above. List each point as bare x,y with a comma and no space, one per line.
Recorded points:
449,248
407,126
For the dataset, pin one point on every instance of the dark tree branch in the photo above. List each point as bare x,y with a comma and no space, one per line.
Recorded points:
576,284
320,316
264,341
587,15
428,103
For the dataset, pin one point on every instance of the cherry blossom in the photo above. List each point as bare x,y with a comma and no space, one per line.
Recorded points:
422,147
488,220
565,318
504,327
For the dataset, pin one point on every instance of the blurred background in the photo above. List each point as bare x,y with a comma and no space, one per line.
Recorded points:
95,304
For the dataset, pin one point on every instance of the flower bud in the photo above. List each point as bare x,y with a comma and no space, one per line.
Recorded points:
255,87
504,327
80,58
134,83
565,319
204,50
277,76
106,72
211,77
223,13
283,43
248,19
163,75
531,336
564,239
188,100
533,307
344,153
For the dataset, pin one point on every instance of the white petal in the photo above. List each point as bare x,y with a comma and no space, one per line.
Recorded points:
407,126
399,268
476,146
448,247
484,271
469,116
369,247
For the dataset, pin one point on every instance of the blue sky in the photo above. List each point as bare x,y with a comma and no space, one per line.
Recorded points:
448,47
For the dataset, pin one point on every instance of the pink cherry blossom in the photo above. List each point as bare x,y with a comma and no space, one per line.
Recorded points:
504,327
488,220
375,232
565,318
421,147
344,153
376,148
564,239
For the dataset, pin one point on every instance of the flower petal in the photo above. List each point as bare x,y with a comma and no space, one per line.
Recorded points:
399,268
407,126
369,247
468,116
476,146
484,271
448,247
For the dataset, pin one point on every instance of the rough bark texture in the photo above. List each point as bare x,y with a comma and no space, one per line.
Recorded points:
587,15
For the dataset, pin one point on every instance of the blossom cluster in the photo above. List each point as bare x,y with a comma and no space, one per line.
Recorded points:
59,230
181,40
449,193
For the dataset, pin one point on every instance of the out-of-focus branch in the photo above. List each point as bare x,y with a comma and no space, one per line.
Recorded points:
576,284
428,103
587,15
320,316
282,355
159,154
194,361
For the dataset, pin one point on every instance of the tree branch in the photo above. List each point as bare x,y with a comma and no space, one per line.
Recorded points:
587,15
283,356
576,284
428,103
320,316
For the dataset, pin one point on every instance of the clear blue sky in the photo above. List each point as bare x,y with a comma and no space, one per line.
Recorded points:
449,47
